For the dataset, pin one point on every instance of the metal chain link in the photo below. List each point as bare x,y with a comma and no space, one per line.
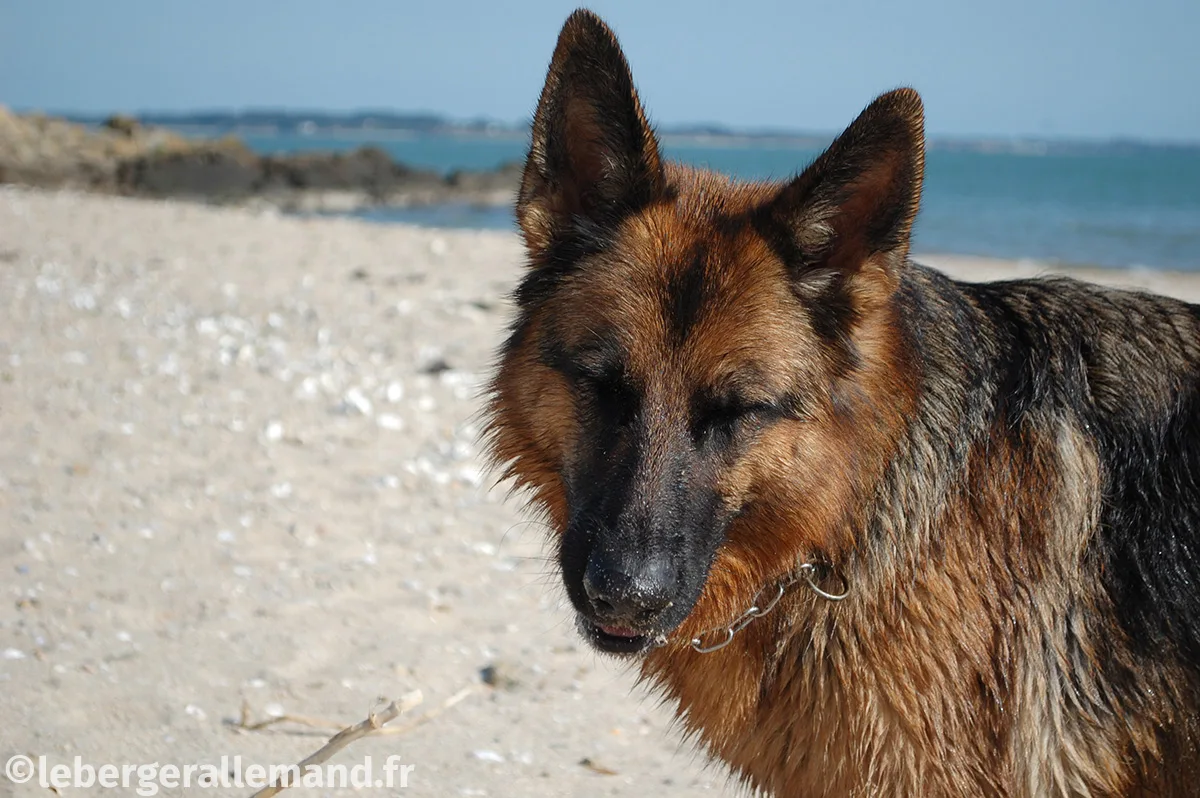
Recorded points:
805,571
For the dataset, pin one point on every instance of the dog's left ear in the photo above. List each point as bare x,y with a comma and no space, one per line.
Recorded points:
593,157
857,202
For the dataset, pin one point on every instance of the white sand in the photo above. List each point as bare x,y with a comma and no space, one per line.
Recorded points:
226,476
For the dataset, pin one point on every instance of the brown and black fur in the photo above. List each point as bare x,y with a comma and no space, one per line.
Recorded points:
708,382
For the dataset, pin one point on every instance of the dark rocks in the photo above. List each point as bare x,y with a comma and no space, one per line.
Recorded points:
224,170
367,169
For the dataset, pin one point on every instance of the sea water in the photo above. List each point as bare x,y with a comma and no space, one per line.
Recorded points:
1116,206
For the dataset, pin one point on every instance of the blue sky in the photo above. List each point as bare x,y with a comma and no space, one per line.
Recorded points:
1051,68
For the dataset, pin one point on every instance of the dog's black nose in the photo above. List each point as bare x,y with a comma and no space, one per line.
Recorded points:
625,590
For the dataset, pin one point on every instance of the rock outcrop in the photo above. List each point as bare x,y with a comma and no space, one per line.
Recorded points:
123,157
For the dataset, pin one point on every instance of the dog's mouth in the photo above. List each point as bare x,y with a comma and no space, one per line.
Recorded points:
618,639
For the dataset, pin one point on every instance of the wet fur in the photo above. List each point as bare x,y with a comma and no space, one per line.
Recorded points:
1007,475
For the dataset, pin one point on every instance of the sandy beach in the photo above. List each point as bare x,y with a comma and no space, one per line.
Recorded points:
240,478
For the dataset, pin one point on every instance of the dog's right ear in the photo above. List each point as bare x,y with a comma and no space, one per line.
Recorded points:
593,158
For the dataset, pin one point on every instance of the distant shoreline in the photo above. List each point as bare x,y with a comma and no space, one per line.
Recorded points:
383,125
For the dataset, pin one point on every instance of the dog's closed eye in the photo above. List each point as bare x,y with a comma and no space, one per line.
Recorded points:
713,419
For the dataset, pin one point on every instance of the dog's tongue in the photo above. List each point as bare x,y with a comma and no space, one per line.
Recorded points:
618,631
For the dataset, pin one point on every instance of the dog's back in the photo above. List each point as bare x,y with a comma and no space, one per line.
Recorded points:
1123,370
1120,370
1066,422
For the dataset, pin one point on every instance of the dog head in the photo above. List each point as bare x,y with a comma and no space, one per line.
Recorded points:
691,377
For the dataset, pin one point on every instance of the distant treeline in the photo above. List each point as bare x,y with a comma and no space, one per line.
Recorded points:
306,121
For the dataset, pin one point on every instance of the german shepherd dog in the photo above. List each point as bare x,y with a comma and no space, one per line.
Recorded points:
872,530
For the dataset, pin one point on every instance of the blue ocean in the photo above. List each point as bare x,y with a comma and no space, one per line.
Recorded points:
1137,207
